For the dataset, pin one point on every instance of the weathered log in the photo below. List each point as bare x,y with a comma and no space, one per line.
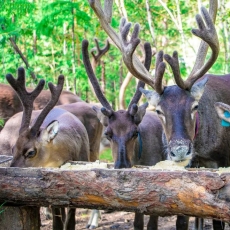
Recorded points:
194,193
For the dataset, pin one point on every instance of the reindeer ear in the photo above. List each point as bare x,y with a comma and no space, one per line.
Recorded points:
198,89
152,96
223,111
102,118
140,113
50,132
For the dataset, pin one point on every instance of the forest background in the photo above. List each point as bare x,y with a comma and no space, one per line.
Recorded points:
45,37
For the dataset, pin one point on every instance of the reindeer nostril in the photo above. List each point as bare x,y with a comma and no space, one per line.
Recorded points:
189,150
172,154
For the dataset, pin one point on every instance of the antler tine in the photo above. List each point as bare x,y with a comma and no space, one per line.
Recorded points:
147,63
55,94
128,47
209,35
132,62
26,98
203,48
175,66
100,52
159,72
92,77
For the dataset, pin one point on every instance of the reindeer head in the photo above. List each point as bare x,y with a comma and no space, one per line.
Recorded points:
176,105
121,126
29,146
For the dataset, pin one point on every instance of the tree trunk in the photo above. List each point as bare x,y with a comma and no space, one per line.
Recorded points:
195,193
225,35
16,48
103,81
151,28
122,90
34,42
121,7
73,44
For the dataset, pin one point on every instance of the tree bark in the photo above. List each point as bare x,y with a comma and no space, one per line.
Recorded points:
195,193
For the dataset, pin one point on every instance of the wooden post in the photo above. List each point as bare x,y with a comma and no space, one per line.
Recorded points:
18,218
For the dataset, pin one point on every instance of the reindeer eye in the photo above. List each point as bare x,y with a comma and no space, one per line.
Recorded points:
31,153
135,134
108,135
195,107
159,112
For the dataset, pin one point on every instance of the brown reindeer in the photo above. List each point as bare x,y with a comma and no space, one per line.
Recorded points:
55,137
134,135
82,110
10,103
191,129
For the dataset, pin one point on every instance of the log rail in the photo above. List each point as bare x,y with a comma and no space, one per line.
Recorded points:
195,193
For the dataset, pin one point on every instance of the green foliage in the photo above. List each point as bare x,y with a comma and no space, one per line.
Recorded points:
49,34
1,122
106,156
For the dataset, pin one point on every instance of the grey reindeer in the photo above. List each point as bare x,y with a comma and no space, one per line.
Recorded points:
134,134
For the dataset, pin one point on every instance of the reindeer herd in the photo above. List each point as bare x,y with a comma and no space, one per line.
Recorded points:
185,126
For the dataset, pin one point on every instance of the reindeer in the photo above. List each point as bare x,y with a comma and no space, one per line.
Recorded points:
10,103
55,137
85,113
134,135
191,129
82,110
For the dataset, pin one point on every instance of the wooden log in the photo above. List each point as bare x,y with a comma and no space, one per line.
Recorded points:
194,193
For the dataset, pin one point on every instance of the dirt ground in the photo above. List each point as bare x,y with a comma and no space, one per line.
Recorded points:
121,221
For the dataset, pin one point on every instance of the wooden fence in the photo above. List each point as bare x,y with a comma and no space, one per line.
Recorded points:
202,193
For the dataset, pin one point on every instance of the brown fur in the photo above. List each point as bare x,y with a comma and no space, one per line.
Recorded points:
82,110
121,129
58,150
10,103
53,148
210,147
